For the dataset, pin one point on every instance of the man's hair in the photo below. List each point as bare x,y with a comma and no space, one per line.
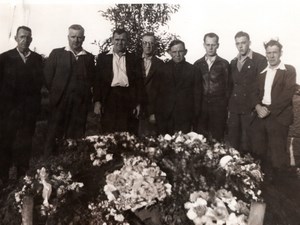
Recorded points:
76,27
120,31
242,34
149,34
23,28
273,43
176,42
211,35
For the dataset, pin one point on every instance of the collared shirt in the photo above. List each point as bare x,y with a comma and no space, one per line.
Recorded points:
210,61
242,59
119,70
82,52
147,63
271,72
24,57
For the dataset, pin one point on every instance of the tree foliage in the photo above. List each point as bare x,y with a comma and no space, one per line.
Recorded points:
138,19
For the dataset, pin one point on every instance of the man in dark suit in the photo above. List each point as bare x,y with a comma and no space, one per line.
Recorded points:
21,77
179,92
151,72
244,71
118,86
274,112
215,87
69,75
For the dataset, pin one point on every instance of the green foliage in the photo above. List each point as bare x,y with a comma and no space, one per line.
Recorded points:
138,19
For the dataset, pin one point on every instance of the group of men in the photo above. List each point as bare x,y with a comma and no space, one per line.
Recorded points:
251,97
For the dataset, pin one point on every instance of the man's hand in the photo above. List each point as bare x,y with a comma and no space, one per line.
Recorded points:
152,119
97,108
262,111
136,111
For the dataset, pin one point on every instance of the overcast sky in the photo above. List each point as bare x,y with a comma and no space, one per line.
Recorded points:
263,20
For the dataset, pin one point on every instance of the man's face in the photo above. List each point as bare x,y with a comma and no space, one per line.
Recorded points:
273,55
211,45
148,45
119,41
242,45
177,53
23,38
76,38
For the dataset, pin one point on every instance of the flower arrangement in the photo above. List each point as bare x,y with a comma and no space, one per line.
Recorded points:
170,175
52,186
216,207
139,183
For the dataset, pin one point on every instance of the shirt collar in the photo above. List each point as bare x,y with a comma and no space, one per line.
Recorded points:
212,59
242,58
82,52
27,55
146,57
280,66
111,52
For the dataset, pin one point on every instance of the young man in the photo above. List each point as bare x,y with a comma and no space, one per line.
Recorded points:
69,73
215,88
21,76
244,71
274,111
118,86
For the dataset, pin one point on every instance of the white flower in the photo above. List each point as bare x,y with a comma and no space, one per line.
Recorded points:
224,160
109,157
119,217
167,137
191,214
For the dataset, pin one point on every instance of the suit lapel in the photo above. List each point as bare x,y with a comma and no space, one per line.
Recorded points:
151,71
278,76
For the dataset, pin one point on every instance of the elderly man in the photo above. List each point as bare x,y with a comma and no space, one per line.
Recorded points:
215,82
179,92
21,77
118,86
69,74
151,72
274,113
244,71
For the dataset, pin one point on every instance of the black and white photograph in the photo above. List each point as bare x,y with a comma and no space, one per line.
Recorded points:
149,112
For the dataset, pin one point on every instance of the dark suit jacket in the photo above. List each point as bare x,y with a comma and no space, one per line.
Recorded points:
20,82
58,69
104,77
283,89
151,85
181,96
244,83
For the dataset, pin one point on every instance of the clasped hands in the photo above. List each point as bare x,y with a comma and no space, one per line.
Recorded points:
262,111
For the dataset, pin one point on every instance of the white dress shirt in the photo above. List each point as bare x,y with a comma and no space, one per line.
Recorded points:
271,72
120,78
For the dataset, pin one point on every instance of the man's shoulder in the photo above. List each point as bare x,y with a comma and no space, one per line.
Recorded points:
258,56
157,60
222,60
9,52
290,68
197,62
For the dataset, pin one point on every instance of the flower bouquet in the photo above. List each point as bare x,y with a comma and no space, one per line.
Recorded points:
138,184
